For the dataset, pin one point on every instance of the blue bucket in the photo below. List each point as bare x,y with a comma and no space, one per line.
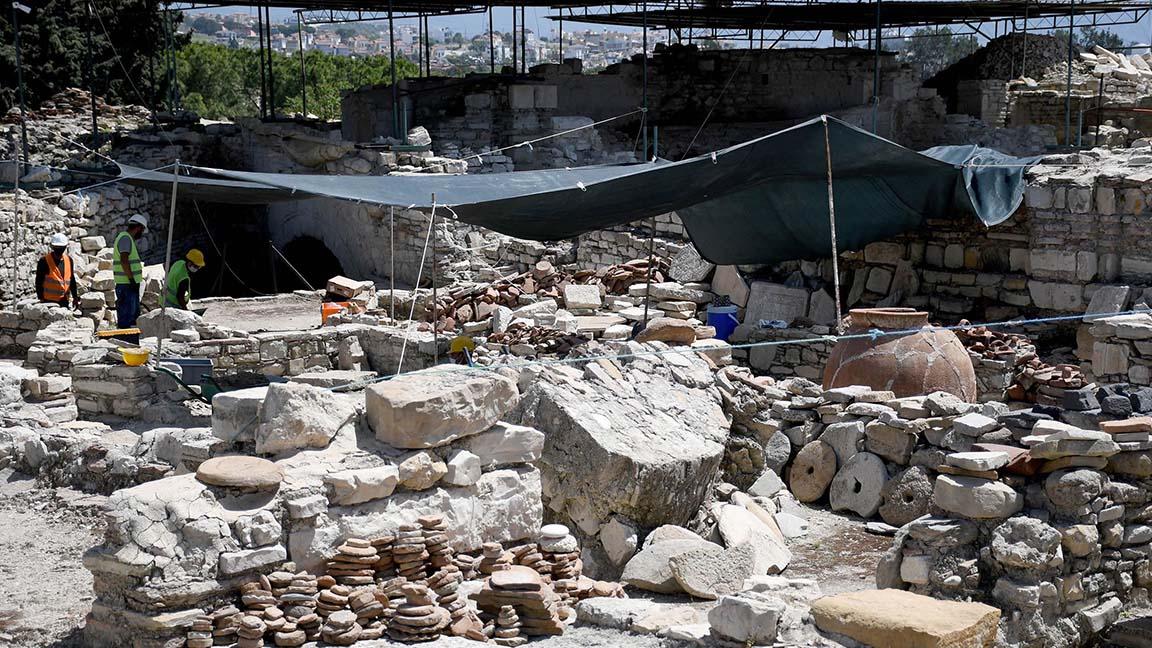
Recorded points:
723,319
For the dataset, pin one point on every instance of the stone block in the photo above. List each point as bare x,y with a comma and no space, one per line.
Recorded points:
361,485
1109,359
295,416
544,96
890,617
586,296
433,407
775,302
236,562
464,468
748,618
728,281
521,97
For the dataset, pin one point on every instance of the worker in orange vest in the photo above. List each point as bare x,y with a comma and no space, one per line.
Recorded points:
54,279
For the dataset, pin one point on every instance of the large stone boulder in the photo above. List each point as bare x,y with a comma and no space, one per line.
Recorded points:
738,526
644,445
891,617
295,416
159,323
433,407
651,569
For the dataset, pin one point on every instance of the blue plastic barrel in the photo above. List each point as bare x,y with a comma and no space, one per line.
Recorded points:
723,319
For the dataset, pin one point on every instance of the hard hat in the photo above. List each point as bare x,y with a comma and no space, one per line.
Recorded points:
59,240
139,219
460,343
195,256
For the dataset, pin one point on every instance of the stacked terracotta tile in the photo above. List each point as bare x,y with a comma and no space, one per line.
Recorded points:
385,563
544,338
392,591
225,624
354,563
494,558
436,541
298,598
467,565
507,628
251,632
561,551
332,600
524,588
341,629
200,635
369,611
410,553
418,618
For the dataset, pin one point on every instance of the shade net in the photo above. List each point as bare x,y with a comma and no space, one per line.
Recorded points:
762,201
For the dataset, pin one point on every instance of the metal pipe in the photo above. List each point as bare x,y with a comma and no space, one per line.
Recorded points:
644,102
16,236
92,80
392,261
435,295
20,92
523,41
1099,109
168,251
876,72
491,44
1024,59
303,70
392,60
260,59
427,47
1068,86
562,38
515,58
271,68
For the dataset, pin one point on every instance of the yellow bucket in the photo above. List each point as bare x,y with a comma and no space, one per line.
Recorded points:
135,357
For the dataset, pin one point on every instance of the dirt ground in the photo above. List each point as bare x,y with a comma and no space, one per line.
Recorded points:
288,312
45,592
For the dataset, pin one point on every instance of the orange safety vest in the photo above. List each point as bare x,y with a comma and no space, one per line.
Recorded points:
56,284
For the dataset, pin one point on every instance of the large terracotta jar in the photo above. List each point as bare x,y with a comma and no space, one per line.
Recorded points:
917,361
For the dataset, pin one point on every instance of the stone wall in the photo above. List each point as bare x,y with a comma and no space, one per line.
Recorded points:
113,389
1119,349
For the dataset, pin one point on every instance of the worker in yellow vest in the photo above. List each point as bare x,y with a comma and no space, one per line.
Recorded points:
54,280
178,283
129,271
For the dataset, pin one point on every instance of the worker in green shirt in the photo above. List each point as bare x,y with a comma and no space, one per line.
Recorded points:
128,271
178,288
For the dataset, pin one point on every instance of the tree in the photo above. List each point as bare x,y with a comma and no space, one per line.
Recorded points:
219,82
204,24
1087,37
345,33
933,50
55,54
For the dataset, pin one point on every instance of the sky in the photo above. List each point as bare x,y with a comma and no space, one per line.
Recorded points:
472,24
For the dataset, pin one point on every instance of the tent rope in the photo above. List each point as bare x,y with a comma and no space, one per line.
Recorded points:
415,288
832,227
530,142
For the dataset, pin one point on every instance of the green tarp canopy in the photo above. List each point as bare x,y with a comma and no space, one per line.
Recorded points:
762,201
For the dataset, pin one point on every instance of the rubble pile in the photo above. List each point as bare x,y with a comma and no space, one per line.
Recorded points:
77,102
1009,369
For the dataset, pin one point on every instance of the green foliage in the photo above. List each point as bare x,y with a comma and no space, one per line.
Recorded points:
1087,37
935,50
55,51
220,82
204,24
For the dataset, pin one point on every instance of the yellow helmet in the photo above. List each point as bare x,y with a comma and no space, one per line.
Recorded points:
195,256
462,342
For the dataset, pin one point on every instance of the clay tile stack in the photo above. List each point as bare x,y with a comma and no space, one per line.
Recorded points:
507,631
529,555
466,564
436,540
368,611
385,564
341,629
299,598
523,588
332,600
290,636
251,632
225,624
561,551
280,580
419,618
446,584
200,636
391,590
255,597
274,619
494,558
409,552
311,625
354,563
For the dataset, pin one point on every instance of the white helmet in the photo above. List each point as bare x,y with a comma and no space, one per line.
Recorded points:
139,219
59,240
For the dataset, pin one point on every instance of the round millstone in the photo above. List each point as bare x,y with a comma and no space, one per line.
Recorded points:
858,484
812,471
245,473
906,496
553,531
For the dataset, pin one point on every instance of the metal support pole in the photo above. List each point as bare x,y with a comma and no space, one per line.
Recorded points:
644,98
1099,109
303,71
392,61
1024,58
16,236
392,258
1068,86
91,71
260,60
427,47
832,227
876,72
420,46
271,68
523,41
435,295
561,38
515,58
20,92
168,250
491,44
651,262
